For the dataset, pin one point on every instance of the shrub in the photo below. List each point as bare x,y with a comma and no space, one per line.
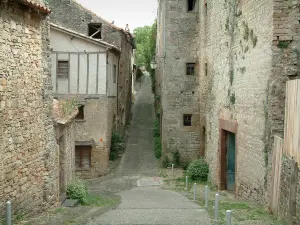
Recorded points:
176,158
156,128
158,148
77,190
165,162
198,170
117,146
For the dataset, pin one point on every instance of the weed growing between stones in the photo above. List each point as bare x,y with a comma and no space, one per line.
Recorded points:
157,148
117,146
231,77
283,44
232,98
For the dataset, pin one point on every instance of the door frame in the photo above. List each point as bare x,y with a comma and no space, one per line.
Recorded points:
226,126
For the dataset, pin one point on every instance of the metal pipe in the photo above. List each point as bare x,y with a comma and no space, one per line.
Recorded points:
8,213
217,208
228,217
186,182
195,189
206,196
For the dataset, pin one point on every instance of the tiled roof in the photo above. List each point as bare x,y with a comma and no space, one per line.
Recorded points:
61,115
36,5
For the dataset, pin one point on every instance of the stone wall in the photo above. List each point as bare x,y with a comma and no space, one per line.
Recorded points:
289,197
28,151
286,66
110,34
238,53
96,128
179,92
65,136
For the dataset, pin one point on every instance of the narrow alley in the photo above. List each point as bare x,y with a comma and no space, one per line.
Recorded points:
148,204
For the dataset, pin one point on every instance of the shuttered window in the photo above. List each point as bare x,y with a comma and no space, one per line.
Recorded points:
63,68
83,157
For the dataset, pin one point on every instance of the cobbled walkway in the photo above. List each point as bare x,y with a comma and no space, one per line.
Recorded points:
148,204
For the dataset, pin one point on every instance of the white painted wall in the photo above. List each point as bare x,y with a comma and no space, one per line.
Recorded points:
112,87
63,42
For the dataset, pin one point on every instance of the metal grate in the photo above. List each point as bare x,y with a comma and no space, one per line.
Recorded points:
63,68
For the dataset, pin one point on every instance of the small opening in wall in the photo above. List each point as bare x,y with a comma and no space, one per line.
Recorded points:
95,30
191,5
80,115
187,120
83,157
206,69
190,68
193,92
205,9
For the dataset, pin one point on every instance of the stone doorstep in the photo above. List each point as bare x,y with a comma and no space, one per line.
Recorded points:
70,203
153,181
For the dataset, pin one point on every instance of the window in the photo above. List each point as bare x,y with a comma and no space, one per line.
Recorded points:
80,115
62,68
187,120
190,69
206,69
115,74
95,30
83,157
191,5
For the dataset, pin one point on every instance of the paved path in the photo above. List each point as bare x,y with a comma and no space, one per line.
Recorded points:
149,204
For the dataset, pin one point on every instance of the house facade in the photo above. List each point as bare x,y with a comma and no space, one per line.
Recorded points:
64,113
29,172
85,70
246,51
89,24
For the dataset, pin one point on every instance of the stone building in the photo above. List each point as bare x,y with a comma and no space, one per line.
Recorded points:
85,70
85,22
29,172
177,80
246,51
64,112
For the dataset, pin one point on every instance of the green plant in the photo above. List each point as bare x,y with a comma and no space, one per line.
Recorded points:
117,145
246,31
77,190
156,128
231,77
198,170
100,201
283,44
165,162
158,148
232,98
139,74
184,165
176,158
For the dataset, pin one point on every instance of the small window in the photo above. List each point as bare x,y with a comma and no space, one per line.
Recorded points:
62,68
191,5
190,69
95,30
206,69
115,74
83,157
80,115
187,120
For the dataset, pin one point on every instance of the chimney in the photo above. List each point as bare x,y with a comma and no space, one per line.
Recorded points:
127,27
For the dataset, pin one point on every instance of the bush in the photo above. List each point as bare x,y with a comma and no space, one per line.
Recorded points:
139,74
198,170
77,190
156,128
165,162
176,158
117,146
158,148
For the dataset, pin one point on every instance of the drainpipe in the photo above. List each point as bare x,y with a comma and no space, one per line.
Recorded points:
118,75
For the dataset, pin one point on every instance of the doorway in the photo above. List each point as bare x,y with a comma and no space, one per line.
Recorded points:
228,160
62,185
